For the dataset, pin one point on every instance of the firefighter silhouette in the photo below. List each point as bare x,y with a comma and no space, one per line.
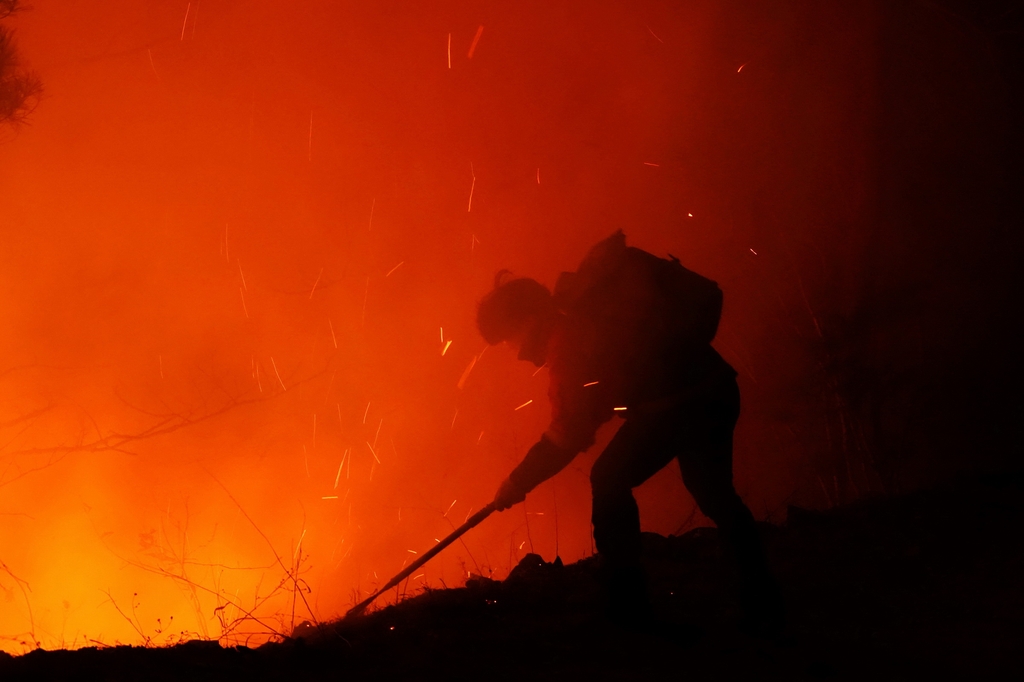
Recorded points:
630,334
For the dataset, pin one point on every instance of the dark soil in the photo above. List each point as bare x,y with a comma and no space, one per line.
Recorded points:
902,588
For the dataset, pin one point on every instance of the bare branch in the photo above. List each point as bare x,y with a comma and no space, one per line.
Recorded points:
20,88
9,7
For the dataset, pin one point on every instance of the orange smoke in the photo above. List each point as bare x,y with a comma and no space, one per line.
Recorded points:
240,382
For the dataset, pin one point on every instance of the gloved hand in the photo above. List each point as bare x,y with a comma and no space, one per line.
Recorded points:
508,495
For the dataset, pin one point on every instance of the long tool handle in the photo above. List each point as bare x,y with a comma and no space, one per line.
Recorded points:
407,571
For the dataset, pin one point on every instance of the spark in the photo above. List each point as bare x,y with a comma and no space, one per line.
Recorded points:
274,364
259,384
334,338
619,409
338,405
445,349
244,309
753,252
537,371
524,404
187,9
442,334
242,275
476,39
372,469
366,412
305,459
538,176
311,135
314,431
329,497
521,544
338,476
195,19
689,215
151,64
394,268
465,373
454,418
592,383
319,274
377,435
467,515
741,67
299,546
372,452
372,206
449,50
469,209
449,507
479,438
160,361
417,577
648,163
654,34
340,543
226,257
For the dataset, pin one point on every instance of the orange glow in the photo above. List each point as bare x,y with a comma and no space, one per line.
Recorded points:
146,471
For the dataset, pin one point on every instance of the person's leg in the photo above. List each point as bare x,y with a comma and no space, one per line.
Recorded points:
639,450
705,461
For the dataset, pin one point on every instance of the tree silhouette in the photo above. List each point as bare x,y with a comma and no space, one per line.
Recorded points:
20,88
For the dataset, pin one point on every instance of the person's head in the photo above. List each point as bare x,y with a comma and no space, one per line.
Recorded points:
518,312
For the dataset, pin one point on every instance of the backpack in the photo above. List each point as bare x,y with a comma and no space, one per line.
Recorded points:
667,307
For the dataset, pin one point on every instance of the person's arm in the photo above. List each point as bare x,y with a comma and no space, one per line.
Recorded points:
544,460
578,408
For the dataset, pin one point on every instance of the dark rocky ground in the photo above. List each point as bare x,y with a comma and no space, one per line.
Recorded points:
923,586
